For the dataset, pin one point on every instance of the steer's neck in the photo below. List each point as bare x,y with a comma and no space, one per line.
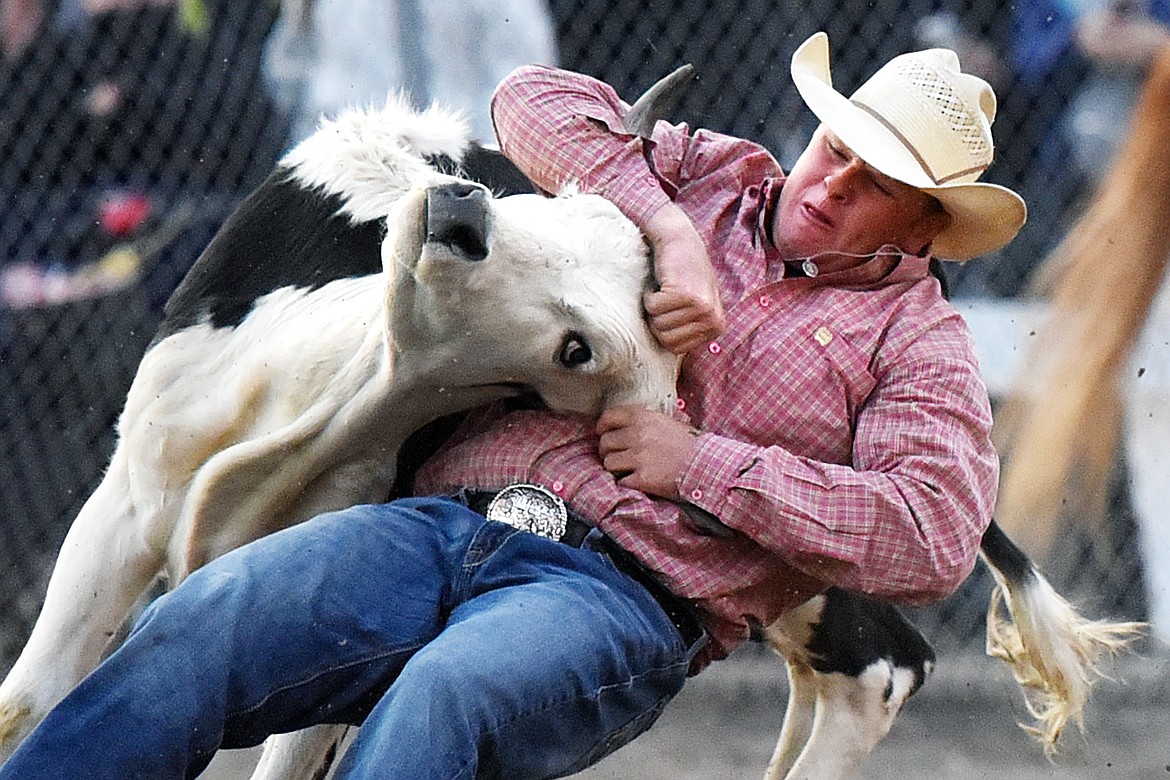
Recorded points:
409,399
384,390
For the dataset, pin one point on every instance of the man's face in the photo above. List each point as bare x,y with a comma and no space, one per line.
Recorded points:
834,203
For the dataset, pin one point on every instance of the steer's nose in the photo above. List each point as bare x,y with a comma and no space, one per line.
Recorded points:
457,218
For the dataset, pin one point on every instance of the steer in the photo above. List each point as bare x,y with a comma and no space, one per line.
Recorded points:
356,295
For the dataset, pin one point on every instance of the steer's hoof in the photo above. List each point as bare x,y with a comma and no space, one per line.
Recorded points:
14,719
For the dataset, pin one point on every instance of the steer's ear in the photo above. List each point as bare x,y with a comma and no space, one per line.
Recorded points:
659,101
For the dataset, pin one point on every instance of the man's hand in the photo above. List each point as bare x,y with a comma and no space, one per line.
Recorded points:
646,450
685,312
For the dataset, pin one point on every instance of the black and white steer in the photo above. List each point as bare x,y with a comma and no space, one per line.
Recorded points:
356,295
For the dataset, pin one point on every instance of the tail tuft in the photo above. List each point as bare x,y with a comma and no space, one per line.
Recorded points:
1054,653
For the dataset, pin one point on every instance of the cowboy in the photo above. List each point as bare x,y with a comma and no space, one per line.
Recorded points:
831,419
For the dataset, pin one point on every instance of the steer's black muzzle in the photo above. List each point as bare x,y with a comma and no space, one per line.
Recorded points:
457,218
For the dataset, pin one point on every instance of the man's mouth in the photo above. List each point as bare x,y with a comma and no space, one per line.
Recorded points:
816,215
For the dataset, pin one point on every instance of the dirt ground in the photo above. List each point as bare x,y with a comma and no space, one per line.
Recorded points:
961,726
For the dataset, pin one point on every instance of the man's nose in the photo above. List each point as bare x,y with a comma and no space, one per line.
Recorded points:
841,181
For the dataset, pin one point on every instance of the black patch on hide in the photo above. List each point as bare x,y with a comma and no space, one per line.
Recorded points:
487,167
856,630
282,235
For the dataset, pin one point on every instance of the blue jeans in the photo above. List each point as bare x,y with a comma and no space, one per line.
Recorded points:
464,647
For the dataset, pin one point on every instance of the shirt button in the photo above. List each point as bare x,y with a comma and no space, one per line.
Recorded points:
558,486
765,301
696,494
714,348
680,404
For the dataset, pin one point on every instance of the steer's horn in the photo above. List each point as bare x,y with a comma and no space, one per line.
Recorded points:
659,101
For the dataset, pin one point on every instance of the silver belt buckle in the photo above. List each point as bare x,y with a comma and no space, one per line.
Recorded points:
531,508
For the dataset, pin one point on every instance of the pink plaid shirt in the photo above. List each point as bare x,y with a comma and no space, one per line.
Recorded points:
845,427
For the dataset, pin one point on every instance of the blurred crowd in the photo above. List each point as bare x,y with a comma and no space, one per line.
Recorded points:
119,124
117,114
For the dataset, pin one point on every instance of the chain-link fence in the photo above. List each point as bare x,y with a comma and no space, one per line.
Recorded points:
126,135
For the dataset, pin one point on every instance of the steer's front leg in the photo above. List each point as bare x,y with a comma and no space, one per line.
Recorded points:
105,564
798,720
790,637
853,714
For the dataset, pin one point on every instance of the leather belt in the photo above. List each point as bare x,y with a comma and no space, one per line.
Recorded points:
538,510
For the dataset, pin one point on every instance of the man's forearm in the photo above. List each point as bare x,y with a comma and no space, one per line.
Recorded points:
565,129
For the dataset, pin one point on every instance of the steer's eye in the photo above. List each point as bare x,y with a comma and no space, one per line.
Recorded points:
575,351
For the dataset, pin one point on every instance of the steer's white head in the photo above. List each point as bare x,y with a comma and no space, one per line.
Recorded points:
524,292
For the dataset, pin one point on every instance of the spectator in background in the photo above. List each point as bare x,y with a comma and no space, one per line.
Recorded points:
1120,38
116,117
325,55
19,22
1078,66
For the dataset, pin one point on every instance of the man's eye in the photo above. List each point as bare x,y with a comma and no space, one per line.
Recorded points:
881,184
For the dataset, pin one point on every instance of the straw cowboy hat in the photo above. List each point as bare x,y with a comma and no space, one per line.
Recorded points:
921,121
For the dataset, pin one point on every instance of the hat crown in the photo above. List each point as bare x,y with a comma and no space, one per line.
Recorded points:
942,116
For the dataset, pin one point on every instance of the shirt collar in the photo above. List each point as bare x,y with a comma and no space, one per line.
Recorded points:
764,197
889,265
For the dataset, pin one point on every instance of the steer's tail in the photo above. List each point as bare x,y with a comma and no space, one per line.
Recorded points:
1053,651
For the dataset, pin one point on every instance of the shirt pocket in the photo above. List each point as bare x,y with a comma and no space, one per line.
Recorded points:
798,386
849,363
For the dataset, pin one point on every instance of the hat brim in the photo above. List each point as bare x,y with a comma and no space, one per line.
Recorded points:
984,217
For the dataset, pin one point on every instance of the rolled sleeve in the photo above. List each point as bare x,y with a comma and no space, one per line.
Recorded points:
564,129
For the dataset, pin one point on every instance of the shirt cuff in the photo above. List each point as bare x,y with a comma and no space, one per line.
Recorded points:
711,474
